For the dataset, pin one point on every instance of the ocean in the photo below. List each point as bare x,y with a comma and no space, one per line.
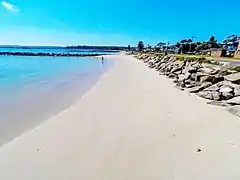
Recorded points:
32,89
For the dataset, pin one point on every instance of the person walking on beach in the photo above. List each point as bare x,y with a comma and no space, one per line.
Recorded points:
102,60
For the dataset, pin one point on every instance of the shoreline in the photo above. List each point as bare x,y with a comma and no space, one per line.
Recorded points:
131,124
20,116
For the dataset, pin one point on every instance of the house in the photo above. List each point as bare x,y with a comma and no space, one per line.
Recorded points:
216,52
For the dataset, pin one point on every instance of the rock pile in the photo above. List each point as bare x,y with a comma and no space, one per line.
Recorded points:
48,54
213,82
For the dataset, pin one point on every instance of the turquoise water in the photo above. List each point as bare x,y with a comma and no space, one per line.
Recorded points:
32,89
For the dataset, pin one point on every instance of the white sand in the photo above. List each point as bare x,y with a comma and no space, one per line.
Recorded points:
133,125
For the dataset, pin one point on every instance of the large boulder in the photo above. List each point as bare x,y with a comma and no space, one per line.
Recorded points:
175,69
187,75
234,101
212,88
205,95
237,90
226,92
212,78
212,95
233,77
172,76
225,89
227,95
194,89
200,88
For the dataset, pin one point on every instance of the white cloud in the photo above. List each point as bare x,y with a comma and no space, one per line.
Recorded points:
9,6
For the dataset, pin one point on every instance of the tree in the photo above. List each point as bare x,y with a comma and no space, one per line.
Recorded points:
161,44
129,47
140,46
212,42
183,42
231,39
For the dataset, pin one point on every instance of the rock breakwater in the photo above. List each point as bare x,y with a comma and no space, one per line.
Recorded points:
48,54
217,83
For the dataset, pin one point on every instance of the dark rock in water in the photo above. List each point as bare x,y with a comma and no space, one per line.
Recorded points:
234,101
199,75
219,103
233,77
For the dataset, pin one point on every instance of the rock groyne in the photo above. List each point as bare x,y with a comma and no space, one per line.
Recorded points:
48,54
218,83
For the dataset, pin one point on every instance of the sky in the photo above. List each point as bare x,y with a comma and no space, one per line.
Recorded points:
110,22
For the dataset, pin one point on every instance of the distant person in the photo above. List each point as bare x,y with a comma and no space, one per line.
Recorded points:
102,60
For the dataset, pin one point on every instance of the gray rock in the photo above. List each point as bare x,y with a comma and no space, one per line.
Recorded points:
233,77
172,76
206,95
189,85
216,95
181,77
194,89
225,63
212,95
234,101
205,85
237,90
206,79
212,88
212,78
225,89
187,75
200,88
209,71
175,69
218,103
227,95
192,69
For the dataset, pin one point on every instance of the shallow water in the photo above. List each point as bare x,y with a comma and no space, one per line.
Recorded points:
33,89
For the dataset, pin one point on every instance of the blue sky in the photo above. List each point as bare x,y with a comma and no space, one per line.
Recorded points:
109,22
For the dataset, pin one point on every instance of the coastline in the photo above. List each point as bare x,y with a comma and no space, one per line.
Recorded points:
38,104
132,124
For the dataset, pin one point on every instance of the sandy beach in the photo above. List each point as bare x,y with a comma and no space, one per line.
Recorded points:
132,125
